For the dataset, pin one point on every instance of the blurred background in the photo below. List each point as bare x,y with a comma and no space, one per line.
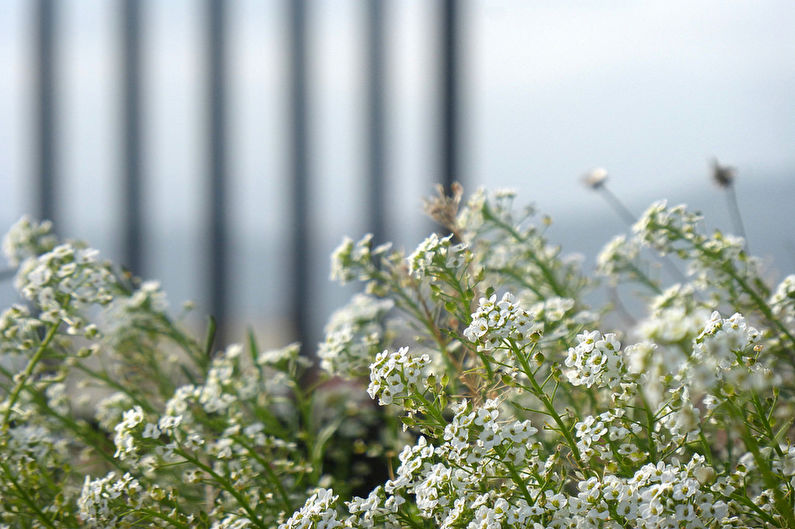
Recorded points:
226,147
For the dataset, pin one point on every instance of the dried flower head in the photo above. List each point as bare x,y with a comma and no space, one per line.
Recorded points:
723,175
595,178
443,208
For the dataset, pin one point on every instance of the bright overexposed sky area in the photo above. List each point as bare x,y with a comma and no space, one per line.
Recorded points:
649,90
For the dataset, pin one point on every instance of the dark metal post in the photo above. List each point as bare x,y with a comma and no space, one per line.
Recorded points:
374,133
45,119
217,249
133,248
299,170
450,170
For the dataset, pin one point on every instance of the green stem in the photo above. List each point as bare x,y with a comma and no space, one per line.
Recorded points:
226,485
269,475
25,496
27,373
783,507
539,393
545,271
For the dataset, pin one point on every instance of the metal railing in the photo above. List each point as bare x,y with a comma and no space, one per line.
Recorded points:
132,17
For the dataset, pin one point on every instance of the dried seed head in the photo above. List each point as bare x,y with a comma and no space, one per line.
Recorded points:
595,178
723,175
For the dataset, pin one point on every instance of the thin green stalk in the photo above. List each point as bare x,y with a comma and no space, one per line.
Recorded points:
228,487
28,372
783,507
552,412
25,496
545,271
269,475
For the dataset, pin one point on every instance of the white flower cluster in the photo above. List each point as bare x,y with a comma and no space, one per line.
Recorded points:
599,435
782,302
661,495
496,322
675,316
353,336
96,503
724,353
399,375
596,359
709,255
132,423
126,315
109,411
19,331
317,513
435,254
475,434
28,239
448,481
617,256
64,281
353,261
661,227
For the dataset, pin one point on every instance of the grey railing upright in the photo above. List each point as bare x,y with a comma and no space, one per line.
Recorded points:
133,257
375,71
450,123
217,256
46,185
297,88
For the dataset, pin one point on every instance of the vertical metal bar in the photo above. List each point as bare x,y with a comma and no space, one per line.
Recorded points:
449,94
45,119
217,249
375,130
299,169
132,215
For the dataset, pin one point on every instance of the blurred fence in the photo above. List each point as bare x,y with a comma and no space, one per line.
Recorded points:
215,214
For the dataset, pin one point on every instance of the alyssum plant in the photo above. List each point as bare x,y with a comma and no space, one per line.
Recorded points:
502,401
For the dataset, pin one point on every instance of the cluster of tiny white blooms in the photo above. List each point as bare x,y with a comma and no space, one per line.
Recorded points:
100,498
447,481
36,460
617,256
132,424
399,375
610,430
782,302
656,367
27,239
435,254
552,310
19,331
675,317
109,410
353,336
495,322
317,513
706,264
470,217
596,359
376,511
353,261
125,315
724,353
662,227
477,433
232,521
656,496
63,281
679,417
